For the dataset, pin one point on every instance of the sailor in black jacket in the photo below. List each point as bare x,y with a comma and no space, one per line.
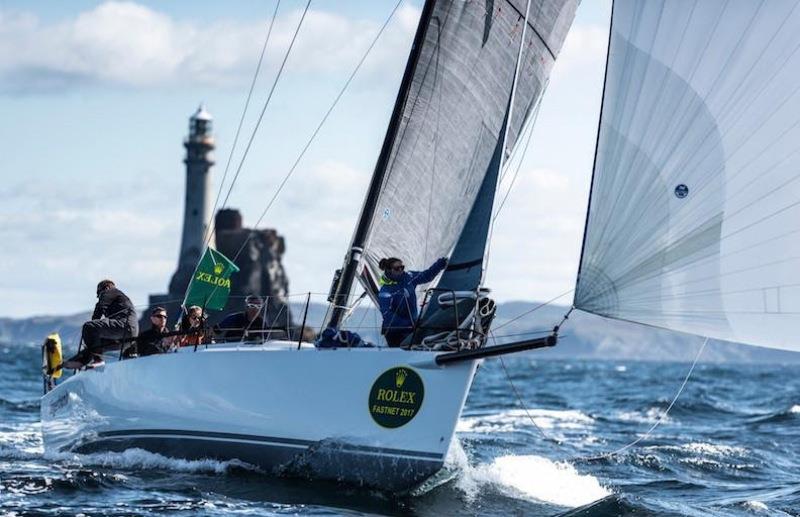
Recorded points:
114,318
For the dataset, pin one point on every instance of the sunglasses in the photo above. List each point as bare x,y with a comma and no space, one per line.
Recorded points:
398,268
159,316
254,306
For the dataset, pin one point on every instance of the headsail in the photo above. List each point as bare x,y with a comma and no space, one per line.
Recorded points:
694,219
452,117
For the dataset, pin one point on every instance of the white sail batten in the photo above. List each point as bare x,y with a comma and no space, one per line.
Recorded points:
452,118
694,218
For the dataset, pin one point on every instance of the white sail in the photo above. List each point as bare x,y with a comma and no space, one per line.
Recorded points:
452,116
694,218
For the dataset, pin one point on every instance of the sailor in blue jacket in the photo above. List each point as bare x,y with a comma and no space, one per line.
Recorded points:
397,297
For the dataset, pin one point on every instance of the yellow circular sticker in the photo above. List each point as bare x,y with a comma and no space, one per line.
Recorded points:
395,397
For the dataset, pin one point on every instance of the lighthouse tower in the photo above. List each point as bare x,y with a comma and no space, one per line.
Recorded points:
196,214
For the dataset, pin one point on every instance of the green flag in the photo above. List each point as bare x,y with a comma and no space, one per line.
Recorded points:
211,283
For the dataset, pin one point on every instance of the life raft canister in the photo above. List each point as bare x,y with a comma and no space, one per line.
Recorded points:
51,355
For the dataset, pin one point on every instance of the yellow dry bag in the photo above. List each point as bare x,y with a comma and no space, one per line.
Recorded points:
51,356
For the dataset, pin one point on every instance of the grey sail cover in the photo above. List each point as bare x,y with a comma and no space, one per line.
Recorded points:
694,218
451,120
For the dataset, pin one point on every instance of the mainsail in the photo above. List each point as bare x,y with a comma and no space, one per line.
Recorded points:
694,218
447,123
453,116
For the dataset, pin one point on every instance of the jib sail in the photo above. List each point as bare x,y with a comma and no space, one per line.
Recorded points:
694,219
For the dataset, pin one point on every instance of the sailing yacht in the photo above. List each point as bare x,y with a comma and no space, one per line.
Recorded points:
693,225
373,416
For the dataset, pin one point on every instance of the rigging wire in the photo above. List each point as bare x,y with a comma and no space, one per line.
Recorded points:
252,137
521,158
509,116
209,232
514,85
316,131
324,119
625,447
536,308
658,420
266,103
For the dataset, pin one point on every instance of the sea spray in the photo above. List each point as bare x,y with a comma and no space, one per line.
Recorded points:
139,459
535,478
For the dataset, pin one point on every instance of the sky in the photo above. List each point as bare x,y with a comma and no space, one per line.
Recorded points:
96,97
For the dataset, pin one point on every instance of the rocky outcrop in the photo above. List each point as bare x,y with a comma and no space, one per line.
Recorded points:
257,253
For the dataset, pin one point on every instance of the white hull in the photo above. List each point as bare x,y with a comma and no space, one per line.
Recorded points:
308,412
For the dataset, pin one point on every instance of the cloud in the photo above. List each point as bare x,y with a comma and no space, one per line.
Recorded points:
537,236
318,213
130,45
584,47
59,244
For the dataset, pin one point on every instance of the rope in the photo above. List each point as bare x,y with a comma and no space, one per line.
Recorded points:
548,302
253,134
266,102
211,223
317,129
619,450
531,125
657,422
503,160
524,407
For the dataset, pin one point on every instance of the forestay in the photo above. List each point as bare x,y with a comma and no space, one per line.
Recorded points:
694,218
452,117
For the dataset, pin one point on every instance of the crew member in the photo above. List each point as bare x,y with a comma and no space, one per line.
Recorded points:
397,297
243,325
114,319
152,341
191,328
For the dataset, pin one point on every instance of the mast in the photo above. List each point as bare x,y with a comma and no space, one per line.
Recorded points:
353,257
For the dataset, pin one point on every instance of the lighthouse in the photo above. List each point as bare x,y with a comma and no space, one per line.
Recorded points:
257,252
197,210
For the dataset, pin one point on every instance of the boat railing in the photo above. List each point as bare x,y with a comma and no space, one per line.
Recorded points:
299,318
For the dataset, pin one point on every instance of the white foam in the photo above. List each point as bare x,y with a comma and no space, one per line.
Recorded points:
23,440
141,459
795,409
756,505
535,478
621,368
648,417
715,449
516,419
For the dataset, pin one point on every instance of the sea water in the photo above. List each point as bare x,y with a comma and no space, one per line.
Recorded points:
729,446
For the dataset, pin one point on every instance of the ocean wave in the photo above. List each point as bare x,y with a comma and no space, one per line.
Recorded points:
530,477
713,449
759,507
756,505
702,450
515,419
649,416
12,453
139,459
534,478
28,484
21,441
777,416
24,406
